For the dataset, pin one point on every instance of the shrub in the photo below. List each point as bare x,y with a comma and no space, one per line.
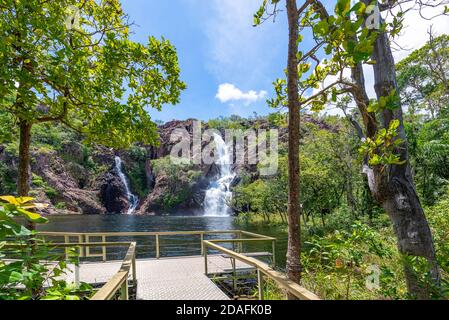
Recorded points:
180,178
26,277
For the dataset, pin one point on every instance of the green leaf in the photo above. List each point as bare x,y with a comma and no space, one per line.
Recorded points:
15,277
51,297
359,8
343,7
256,21
10,200
35,217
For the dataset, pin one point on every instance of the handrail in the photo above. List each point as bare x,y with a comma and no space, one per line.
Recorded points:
150,233
255,235
84,237
292,287
120,280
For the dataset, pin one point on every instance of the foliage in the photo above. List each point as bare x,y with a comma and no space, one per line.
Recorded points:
343,40
27,277
438,216
233,122
136,170
328,172
178,176
7,179
77,74
422,77
431,159
51,136
38,182
6,123
338,265
380,150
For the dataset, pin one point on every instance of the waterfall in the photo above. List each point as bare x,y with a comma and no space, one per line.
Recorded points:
133,200
219,192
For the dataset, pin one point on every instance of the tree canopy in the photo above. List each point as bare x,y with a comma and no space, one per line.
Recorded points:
73,62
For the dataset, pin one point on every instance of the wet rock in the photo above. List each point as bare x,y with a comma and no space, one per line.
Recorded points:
113,194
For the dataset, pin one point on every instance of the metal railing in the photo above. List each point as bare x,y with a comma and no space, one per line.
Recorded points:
119,281
87,238
262,270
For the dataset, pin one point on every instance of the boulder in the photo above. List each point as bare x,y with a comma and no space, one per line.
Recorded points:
113,194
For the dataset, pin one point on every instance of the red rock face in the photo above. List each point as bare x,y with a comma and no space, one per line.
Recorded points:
54,172
85,190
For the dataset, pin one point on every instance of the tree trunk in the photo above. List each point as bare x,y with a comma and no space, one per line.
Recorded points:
394,188
294,209
24,176
350,198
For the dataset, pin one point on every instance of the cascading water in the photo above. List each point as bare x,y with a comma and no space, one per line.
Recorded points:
133,200
219,193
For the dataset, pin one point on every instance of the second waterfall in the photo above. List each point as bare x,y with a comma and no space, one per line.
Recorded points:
133,200
219,192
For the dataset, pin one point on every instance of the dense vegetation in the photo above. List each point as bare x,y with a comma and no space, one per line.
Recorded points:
363,197
32,271
345,232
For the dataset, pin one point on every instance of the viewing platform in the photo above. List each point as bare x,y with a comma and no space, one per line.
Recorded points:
187,277
177,278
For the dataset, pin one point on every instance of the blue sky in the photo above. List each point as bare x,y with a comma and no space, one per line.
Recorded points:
218,48
229,65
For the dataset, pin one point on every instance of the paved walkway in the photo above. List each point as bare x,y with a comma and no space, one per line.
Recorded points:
166,279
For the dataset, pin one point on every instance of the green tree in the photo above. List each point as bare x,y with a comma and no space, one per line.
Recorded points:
348,39
432,159
72,62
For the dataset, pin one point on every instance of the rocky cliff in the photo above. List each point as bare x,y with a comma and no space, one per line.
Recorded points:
75,179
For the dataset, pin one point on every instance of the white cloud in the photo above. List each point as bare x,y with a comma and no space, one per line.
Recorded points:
229,92
414,34
237,51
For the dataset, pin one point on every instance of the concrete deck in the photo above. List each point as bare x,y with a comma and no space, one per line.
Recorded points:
180,278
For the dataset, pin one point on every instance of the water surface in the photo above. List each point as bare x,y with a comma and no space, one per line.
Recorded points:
170,245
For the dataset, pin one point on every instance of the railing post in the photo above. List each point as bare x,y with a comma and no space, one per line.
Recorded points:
66,240
77,273
124,290
205,259
240,243
273,244
87,247
134,273
234,275
80,240
103,249
158,255
202,246
260,284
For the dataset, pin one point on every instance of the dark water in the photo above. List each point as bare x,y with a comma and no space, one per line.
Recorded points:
169,245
